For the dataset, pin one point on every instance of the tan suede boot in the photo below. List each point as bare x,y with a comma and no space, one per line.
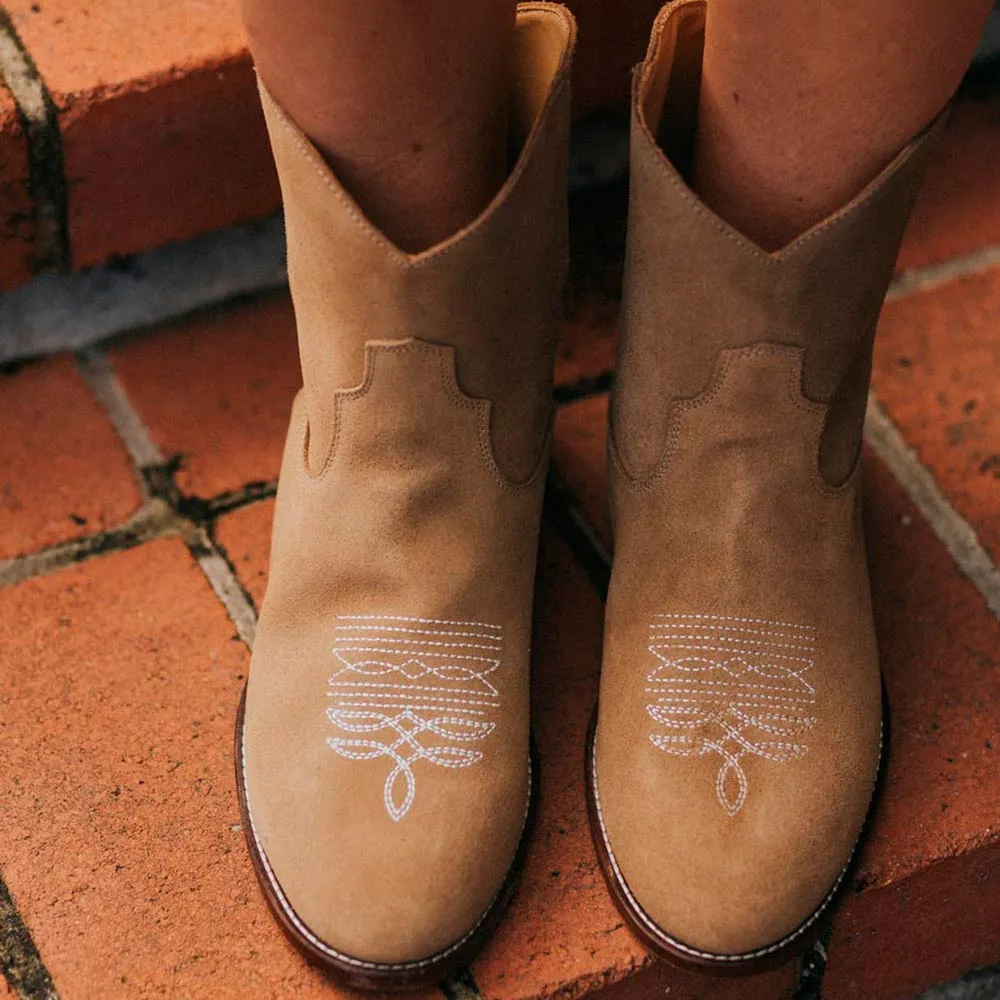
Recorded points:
739,727
382,753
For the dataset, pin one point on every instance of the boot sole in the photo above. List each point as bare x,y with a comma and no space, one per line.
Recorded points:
378,976
684,956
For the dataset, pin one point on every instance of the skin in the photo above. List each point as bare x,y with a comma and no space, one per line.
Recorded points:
407,99
803,101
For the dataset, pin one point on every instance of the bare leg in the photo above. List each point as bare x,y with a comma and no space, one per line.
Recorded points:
804,101
408,101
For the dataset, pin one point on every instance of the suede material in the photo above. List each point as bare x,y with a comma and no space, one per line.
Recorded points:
822,292
404,545
740,709
501,276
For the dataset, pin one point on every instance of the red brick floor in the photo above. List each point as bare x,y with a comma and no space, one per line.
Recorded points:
63,472
119,674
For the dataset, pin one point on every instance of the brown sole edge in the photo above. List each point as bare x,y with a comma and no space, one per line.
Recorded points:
373,976
685,957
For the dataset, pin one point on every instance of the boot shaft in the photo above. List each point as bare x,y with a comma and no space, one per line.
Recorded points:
695,286
491,291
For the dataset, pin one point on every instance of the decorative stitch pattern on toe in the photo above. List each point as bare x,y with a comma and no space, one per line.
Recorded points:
402,681
733,687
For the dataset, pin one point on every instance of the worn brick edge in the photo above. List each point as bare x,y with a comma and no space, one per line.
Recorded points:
46,172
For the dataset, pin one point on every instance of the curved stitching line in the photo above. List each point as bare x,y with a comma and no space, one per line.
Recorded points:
483,408
720,372
372,351
820,412
332,952
446,357
680,407
655,929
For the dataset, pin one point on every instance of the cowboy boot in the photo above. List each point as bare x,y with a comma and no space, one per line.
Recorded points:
382,746
739,728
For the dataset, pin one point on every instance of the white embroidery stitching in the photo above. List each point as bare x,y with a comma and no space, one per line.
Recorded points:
759,706
403,715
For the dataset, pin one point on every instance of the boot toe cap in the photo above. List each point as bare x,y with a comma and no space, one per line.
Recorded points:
360,898
713,886
363,888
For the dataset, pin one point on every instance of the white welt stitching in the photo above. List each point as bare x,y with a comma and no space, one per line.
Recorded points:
730,717
402,714
658,631
411,687
419,643
422,621
661,642
704,625
733,684
382,706
379,649
749,621
412,631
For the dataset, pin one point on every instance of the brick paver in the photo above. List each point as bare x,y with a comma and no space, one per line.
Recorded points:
121,840
63,471
216,390
162,134
936,371
245,536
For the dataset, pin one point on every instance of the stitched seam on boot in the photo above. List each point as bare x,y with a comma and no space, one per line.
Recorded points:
821,410
679,408
400,715
326,949
748,246
658,931
686,648
482,408
560,83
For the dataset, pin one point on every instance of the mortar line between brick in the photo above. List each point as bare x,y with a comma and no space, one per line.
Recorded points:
954,532
923,279
46,167
154,519
95,367
225,584
165,512
244,496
